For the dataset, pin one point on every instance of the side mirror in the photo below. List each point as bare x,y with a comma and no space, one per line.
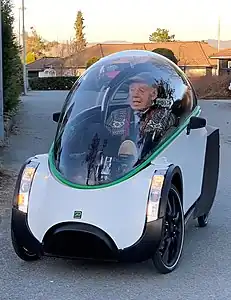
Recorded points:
195,123
56,117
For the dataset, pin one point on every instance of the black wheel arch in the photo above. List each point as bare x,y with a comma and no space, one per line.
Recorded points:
172,176
177,181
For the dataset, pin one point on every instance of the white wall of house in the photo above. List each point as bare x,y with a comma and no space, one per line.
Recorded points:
73,72
195,71
48,73
199,71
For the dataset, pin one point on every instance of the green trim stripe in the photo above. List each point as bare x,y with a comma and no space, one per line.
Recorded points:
161,148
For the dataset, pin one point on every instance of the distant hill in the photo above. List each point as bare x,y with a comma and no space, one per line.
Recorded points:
116,42
223,44
108,42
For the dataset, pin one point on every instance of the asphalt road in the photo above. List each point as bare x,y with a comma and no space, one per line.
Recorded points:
205,268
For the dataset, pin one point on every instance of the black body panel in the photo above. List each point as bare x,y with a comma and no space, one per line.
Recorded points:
211,173
22,233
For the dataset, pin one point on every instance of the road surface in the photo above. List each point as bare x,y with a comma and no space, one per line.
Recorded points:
204,270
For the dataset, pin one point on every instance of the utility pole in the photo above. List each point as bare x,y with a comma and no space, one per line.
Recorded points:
219,34
218,43
24,48
1,82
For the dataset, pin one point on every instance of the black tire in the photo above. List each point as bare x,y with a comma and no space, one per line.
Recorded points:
22,252
172,235
203,220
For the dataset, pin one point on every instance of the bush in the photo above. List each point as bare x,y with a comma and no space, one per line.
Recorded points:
212,87
167,53
12,66
91,61
52,83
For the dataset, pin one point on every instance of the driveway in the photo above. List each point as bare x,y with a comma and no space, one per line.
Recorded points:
36,128
203,273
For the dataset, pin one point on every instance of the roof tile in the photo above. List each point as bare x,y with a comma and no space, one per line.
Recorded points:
188,53
44,62
222,53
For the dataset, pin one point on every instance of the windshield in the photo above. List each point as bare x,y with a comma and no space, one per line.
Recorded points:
117,114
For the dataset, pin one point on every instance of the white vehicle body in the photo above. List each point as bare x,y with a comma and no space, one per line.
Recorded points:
123,203
61,210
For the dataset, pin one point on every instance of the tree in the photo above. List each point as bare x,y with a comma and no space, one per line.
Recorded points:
80,41
91,61
12,66
161,35
56,49
167,53
35,44
30,57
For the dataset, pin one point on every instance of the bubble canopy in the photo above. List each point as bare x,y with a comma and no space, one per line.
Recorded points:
116,115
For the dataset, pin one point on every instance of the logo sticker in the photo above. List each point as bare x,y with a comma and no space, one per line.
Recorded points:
77,214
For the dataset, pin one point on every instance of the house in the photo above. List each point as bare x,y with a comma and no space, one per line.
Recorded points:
223,60
45,66
194,57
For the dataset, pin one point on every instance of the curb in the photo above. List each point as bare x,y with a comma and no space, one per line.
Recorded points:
9,121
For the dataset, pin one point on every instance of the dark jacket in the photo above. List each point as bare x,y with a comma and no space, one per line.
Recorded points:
150,126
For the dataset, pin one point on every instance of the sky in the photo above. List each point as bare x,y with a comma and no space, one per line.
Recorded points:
129,20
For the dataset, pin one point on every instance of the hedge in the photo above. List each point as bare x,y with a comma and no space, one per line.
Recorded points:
207,87
212,87
12,66
52,83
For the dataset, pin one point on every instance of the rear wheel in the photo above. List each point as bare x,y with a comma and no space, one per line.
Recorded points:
169,252
21,251
203,220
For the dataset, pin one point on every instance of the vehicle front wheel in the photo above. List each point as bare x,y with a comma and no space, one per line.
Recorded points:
21,251
169,252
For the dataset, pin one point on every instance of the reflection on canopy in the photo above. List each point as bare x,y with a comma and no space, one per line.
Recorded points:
118,113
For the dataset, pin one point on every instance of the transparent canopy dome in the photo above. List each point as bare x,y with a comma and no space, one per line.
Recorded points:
116,115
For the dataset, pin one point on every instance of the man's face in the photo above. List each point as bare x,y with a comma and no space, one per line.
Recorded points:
141,96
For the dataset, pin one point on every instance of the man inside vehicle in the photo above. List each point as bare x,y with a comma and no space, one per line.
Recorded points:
152,113
137,128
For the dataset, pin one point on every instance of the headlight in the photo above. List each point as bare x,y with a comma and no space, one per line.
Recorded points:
155,195
25,186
